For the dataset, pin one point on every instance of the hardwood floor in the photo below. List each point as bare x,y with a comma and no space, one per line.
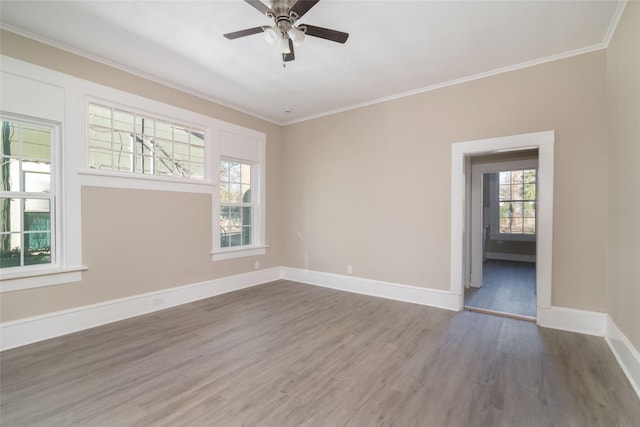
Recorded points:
507,286
285,354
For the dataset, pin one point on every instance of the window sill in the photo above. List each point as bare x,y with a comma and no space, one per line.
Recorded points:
238,252
126,180
39,278
514,237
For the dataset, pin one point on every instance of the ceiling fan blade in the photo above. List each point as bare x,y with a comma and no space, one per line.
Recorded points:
262,8
301,7
324,33
243,33
286,57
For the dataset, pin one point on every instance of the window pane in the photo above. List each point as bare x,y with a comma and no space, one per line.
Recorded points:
123,162
10,250
505,209
181,152
37,248
235,193
10,212
197,138
224,171
197,154
197,170
246,193
37,182
36,142
144,164
100,159
234,172
145,126
505,225
163,166
123,120
164,130
529,209
530,191
122,141
99,115
246,235
505,192
246,173
224,193
181,134
100,138
529,176
505,178
11,175
529,226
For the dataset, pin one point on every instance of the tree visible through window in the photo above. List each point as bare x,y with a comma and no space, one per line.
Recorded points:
27,196
236,208
517,201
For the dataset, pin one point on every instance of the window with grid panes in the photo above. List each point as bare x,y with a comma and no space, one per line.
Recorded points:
517,202
130,142
27,201
236,206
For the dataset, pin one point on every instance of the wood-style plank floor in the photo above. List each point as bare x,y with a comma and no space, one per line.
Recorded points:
288,354
507,286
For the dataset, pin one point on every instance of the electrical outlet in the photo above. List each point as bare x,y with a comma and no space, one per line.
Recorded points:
349,269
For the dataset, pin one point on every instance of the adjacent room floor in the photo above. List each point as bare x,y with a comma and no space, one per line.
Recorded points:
288,354
507,286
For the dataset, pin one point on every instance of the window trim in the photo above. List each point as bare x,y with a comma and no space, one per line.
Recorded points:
230,147
494,214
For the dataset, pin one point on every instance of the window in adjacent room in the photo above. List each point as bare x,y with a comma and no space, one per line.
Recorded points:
517,202
131,142
27,206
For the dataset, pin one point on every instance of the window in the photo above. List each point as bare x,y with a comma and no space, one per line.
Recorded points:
517,202
239,208
236,208
27,232
124,141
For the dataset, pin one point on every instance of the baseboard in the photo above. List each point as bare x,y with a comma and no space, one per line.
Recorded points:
568,319
33,329
627,355
359,285
511,257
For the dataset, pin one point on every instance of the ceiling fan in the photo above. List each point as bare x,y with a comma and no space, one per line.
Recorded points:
285,34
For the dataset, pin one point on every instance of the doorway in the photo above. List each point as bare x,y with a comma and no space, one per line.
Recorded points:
503,234
461,218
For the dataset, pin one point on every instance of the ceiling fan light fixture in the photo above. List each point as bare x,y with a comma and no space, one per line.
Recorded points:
297,36
283,44
272,35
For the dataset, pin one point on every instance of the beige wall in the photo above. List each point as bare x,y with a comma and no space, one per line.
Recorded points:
623,78
371,187
170,246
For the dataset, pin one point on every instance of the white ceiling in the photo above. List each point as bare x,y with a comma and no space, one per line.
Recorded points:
395,47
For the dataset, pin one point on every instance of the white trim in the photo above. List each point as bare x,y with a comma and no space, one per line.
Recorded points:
511,257
569,319
626,354
445,84
238,252
376,288
38,278
613,25
133,181
26,331
460,151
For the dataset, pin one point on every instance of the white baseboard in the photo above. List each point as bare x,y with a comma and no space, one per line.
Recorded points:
511,257
568,319
627,355
38,328
394,291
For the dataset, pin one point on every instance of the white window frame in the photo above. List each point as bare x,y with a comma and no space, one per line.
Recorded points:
494,213
245,146
54,200
38,95
156,116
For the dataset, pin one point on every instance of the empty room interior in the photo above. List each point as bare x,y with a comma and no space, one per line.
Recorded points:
320,213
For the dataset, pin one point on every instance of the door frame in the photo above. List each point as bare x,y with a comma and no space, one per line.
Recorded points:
461,153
